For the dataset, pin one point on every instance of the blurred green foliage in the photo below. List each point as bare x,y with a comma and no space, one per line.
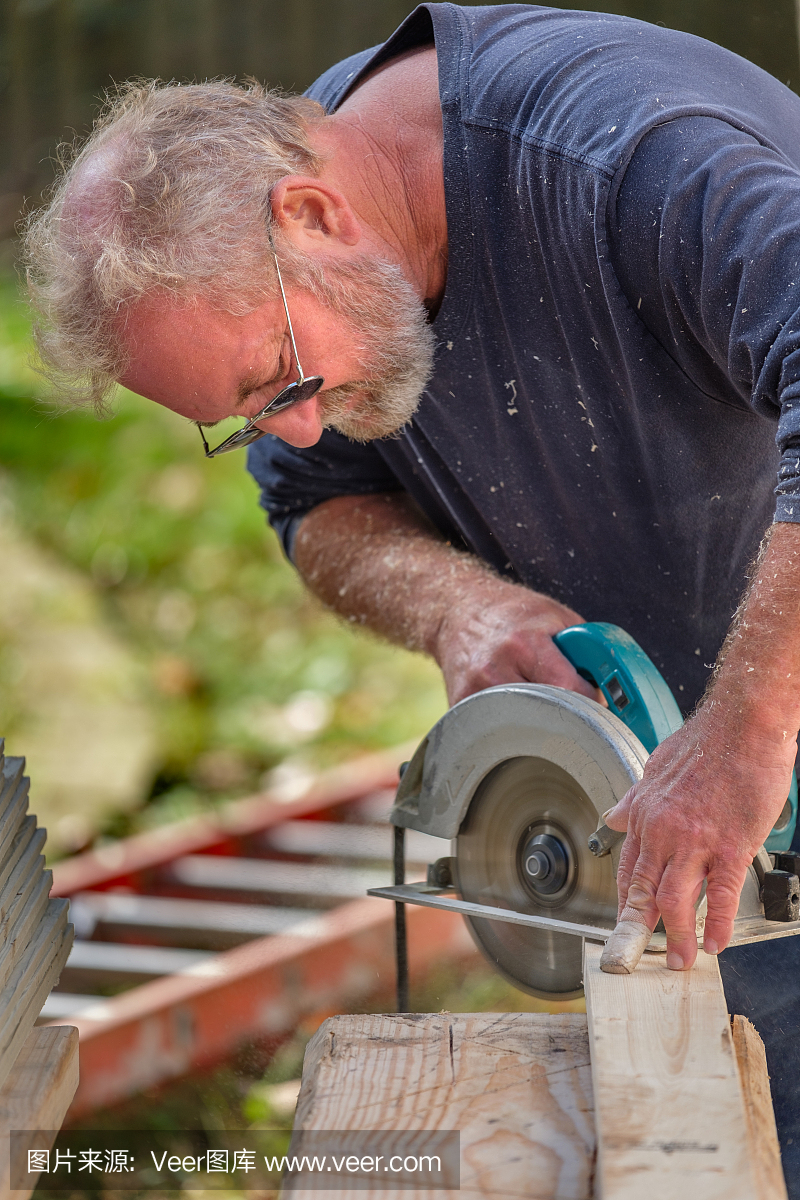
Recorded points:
245,670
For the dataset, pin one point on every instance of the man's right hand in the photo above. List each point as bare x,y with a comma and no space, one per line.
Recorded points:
497,632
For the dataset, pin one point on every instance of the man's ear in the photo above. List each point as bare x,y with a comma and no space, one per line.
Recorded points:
313,213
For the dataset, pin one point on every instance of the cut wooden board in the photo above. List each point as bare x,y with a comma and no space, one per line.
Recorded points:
13,805
38,1091
35,973
669,1105
517,1086
16,939
765,1151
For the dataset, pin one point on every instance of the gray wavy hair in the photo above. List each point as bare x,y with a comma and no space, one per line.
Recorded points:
169,193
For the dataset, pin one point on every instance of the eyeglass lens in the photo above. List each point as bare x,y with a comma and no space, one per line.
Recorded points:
293,393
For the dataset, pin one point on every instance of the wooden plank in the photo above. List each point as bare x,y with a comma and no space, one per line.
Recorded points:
669,1105
17,936
517,1086
26,838
38,1090
13,814
27,988
11,768
765,1151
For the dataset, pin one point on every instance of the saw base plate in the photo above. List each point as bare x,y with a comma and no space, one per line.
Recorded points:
746,929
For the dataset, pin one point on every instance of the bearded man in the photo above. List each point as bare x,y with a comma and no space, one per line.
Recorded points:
540,324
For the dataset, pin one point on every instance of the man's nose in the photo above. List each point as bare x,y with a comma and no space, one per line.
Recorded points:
299,425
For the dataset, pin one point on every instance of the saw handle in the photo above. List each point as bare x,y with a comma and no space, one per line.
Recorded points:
634,688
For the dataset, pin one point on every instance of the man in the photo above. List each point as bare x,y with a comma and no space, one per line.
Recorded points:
586,231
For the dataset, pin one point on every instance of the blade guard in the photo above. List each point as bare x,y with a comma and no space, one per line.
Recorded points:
636,692
511,721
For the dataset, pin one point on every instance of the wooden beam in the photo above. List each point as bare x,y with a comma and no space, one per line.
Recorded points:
669,1105
38,1091
765,1152
516,1085
27,987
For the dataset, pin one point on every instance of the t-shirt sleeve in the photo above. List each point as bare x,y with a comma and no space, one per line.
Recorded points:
293,481
705,240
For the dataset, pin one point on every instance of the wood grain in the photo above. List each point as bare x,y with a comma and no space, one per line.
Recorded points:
669,1105
36,971
763,1136
38,1090
517,1086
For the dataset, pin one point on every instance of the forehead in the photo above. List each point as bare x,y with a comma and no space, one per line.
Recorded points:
157,320
188,355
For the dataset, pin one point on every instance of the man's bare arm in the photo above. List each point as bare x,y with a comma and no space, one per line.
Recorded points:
375,560
712,792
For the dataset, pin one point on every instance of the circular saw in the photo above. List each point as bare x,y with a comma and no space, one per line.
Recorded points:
518,777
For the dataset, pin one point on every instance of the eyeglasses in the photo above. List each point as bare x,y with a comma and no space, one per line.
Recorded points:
294,393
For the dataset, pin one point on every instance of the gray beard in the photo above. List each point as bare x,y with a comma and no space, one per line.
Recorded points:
397,343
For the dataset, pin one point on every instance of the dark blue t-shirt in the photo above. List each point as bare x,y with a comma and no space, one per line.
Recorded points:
619,332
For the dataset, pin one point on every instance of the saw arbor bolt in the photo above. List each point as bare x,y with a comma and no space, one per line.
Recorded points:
545,863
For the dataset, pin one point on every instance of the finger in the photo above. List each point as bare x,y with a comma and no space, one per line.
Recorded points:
548,665
618,816
640,901
676,897
466,684
624,948
628,858
725,883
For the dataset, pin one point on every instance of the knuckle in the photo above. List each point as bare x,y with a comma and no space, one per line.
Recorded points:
521,644
672,902
640,895
729,862
483,675
647,874
723,895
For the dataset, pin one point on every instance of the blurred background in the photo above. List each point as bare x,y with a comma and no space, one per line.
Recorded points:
157,654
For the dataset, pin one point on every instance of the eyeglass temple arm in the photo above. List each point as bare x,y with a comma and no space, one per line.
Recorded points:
286,307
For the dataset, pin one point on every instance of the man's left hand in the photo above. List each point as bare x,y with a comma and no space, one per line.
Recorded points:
704,807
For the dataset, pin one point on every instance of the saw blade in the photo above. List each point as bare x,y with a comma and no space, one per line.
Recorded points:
524,847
